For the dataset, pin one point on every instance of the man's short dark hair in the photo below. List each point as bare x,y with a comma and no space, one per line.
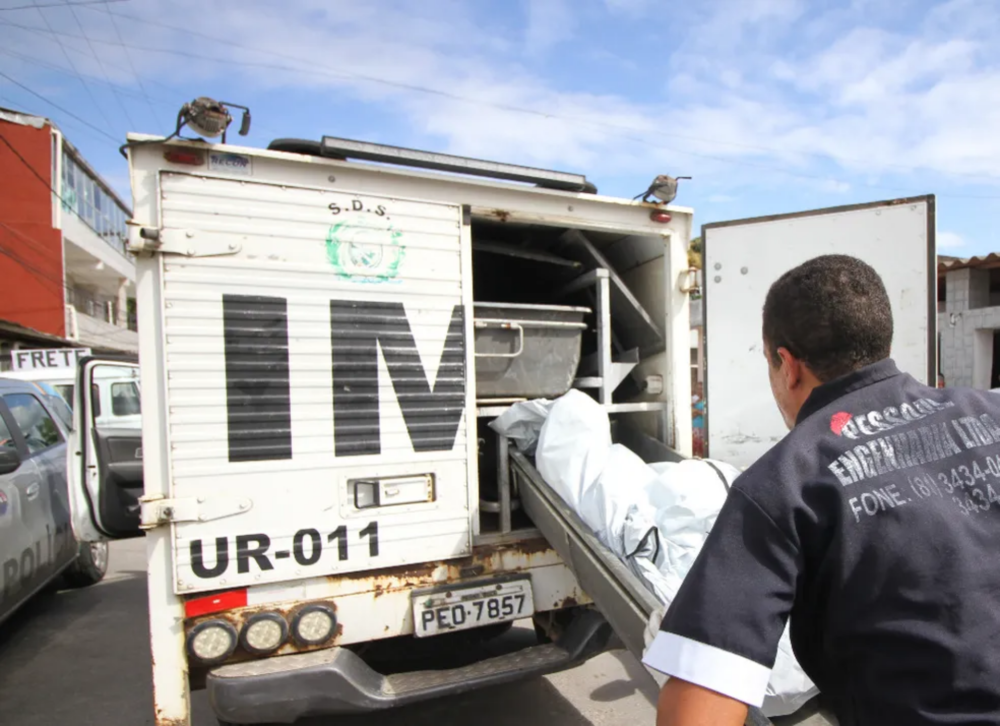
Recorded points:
832,313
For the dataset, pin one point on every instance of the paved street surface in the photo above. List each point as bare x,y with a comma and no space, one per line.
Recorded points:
81,657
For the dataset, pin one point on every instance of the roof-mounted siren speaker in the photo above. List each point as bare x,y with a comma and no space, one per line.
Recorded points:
210,118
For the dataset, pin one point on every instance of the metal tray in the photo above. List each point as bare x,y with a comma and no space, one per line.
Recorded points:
526,351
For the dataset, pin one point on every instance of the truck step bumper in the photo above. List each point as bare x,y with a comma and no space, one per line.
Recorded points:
337,681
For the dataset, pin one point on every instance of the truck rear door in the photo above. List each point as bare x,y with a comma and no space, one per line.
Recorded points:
741,260
317,378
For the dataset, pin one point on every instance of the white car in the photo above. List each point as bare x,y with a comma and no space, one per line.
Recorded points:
37,541
116,392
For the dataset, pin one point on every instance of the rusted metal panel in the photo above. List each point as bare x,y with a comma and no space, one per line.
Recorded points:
377,605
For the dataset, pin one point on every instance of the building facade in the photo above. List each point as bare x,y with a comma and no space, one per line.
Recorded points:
969,321
63,265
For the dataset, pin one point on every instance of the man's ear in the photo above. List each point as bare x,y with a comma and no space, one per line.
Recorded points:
791,368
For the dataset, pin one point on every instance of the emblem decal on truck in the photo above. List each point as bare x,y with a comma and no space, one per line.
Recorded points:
258,385
364,246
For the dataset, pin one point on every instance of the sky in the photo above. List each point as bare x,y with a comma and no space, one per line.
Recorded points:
770,105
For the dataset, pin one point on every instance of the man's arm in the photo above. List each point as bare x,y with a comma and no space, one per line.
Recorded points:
685,704
720,634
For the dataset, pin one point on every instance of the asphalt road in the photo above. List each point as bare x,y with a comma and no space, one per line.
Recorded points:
81,657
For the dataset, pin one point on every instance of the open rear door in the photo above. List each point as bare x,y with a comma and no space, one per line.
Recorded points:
741,260
106,456
315,380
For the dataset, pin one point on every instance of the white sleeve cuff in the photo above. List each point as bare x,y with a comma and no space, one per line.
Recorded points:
709,667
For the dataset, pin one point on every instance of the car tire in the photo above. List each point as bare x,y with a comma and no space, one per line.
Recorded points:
90,566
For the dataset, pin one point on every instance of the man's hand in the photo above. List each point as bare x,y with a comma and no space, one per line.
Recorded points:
685,704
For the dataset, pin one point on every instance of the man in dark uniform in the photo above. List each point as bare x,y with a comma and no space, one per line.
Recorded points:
874,524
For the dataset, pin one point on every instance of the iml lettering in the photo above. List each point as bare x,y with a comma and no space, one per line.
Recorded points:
258,397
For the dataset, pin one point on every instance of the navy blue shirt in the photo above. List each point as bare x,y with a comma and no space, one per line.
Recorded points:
875,525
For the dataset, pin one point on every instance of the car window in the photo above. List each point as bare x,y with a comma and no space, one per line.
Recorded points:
57,404
65,390
39,430
5,438
61,409
125,399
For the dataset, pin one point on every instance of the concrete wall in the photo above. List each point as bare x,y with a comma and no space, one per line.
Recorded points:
95,333
966,328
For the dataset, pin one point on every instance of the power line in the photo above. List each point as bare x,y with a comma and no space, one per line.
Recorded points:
341,75
615,127
120,89
60,5
509,107
131,65
48,186
172,103
100,64
58,68
39,274
57,106
31,242
86,87
109,336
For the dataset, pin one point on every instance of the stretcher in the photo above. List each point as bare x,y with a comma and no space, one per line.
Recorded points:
618,594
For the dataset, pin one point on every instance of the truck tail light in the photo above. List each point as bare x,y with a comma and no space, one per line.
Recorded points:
658,215
212,641
314,624
264,633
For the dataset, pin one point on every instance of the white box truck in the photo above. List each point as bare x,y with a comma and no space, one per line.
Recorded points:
322,342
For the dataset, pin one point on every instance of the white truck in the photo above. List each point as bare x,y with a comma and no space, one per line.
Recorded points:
322,342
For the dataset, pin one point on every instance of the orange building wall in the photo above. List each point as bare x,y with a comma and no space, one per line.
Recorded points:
31,260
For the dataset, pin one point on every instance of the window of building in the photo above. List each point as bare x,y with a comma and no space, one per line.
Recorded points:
83,196
39,430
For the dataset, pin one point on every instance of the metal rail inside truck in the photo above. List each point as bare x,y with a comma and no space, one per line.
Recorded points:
326,331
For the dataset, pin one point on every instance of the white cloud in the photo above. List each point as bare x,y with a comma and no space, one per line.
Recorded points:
744,95
949,241
550,22
835,186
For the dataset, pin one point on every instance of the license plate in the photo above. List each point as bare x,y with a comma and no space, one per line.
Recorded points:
445,610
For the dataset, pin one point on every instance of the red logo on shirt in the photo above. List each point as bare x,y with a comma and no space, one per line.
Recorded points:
838,421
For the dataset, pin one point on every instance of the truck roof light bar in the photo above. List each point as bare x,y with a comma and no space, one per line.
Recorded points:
348,149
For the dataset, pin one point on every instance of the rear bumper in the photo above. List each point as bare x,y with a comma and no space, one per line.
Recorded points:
337,681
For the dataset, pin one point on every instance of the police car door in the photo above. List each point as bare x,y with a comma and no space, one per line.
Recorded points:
317,376
741,260
21,526
106,465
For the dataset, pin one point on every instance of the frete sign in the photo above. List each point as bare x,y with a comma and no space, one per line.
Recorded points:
29,360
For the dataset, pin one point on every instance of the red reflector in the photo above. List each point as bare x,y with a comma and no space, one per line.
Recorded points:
660,216
215,603
182,156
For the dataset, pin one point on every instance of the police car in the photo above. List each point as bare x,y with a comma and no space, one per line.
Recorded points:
37,544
